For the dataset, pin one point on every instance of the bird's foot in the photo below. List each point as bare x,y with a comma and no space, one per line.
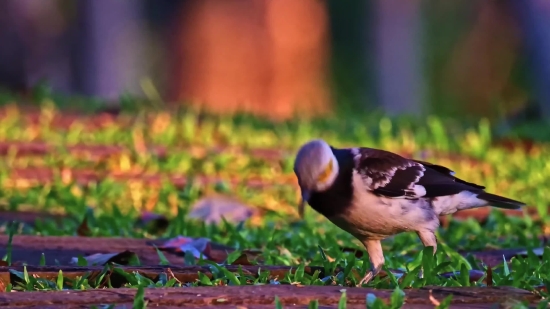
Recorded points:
366,279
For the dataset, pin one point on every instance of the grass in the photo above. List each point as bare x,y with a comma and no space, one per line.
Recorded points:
282,238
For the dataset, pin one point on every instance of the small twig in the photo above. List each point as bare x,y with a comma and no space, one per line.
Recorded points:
170,273
434,301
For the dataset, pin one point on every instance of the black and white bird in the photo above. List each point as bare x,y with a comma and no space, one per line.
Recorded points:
373,194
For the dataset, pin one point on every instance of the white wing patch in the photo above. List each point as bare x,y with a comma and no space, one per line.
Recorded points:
385,176
418,176
419,190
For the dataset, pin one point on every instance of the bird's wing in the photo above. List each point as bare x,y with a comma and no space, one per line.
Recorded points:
388,174
448,172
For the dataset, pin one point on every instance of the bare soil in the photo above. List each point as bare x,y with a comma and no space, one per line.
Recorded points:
264,296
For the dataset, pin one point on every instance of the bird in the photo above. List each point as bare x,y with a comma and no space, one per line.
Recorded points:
374,194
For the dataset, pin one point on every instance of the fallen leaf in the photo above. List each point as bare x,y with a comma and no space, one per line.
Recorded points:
287,254
537,251
248,257
100,259
489,278
84,229
396,272
152,222
475,275
541,288
210,250
213,208
183,244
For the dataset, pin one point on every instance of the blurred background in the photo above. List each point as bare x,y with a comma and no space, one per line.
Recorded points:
467,58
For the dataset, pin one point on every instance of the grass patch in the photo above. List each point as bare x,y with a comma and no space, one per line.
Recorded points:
197,146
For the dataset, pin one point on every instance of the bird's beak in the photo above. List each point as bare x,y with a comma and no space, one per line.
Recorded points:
301,207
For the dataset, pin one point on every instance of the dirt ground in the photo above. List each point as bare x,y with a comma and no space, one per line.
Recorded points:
262,297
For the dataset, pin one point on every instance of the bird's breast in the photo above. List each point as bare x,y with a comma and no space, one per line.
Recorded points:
377,217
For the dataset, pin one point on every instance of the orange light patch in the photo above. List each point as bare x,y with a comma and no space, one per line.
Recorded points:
326,173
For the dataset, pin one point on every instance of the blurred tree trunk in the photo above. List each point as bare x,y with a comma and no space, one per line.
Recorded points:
481,65
12,68
534,21
398,56
353,85
34,46
259,56
299,56
107,50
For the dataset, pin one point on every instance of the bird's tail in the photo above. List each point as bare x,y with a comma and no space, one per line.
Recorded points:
500,201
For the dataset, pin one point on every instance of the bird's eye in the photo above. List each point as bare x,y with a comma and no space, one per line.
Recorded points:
326,172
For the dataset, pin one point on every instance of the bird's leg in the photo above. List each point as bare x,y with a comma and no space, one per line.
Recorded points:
376,257
428,240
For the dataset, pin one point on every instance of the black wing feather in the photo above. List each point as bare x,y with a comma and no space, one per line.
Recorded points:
449,172
391,175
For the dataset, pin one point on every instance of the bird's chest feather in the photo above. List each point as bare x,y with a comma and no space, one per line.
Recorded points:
370,216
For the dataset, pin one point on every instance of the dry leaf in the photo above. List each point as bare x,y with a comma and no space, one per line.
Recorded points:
213,208
247,257
489,278
83,229
474,274
183,244
122,258
153,223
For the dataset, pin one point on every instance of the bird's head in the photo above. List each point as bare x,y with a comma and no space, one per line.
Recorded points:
315,167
